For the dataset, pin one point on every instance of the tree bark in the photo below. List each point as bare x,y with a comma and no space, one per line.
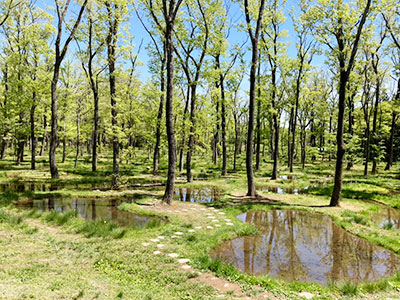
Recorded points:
258,121
169,16
254,36
223,119
392,130
33,138
374,122
59,56
343,79
351,124
337,188
159,118
111,40
183,142
54,121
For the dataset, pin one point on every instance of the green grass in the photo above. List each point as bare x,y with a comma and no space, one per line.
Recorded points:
114,258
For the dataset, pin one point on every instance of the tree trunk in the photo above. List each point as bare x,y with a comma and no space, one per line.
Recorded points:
223,120
64,153
390,144
251,189
258,125
191,134
351,124
289,144
183,142
33,138
159,119
111,57
337,188
95,129
169,114
78,137
276,128
237,142
216,134
374,122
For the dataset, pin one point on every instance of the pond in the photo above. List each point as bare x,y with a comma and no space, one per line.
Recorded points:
91,210
290,189
387,217
198,195
304,246
32,186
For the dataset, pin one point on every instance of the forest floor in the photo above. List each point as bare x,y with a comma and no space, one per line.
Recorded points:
58,255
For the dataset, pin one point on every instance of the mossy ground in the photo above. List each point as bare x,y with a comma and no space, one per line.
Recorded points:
59,256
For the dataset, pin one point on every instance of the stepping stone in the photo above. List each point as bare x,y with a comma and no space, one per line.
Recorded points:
157,252
217,225
221,213
178,233
208,214
183,260
160,246
230,224
202,209
209,227
198,227
154,240
191,230
228,220
306,295
161,237
145,244
214,221
226,284
174,236
173,255
186,267
211,217
211,208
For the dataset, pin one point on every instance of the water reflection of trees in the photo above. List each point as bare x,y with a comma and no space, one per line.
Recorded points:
297,245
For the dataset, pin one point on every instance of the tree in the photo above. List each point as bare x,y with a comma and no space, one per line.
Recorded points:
94,39
303,45
273,48
60,52
159,54
192,39
254,34
169,10
339,26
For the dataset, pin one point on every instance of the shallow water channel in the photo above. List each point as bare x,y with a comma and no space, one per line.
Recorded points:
304,246
91,210
387,217
31,186
198,195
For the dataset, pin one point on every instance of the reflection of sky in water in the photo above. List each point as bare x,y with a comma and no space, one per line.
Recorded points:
298,245
198,195
90,210
387,216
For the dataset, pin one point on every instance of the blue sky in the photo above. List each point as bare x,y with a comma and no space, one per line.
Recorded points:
236,16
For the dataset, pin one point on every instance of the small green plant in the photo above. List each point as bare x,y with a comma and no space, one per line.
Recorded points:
10,219
60,218
101,228
388,226
349,289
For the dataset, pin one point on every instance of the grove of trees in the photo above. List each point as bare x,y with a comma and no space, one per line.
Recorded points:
285,82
